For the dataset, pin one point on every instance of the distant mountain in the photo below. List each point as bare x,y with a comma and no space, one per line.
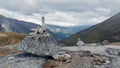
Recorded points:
61,32
107,30
64,32
13,25
58,32
79,28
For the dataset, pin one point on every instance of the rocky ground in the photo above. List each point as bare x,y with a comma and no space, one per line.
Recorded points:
106,56
21,60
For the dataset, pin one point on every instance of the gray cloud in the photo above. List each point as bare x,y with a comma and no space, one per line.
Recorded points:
65,12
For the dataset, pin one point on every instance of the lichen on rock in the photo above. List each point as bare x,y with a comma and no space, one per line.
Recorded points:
42,44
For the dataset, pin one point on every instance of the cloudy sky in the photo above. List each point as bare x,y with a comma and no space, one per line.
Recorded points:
60,12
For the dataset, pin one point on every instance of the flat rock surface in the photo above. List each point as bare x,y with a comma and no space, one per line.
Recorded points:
21,60
95,49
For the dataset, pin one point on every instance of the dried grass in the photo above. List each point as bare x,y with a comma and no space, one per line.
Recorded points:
11,38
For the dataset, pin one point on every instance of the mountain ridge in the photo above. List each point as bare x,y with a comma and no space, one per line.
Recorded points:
18,26
106,30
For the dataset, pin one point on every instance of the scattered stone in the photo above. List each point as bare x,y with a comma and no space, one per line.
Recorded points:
67,56
10,58
107,62
58,57
74,62
115,63
98,61
113,51
61,57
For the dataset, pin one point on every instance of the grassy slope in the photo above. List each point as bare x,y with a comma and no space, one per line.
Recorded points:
11,38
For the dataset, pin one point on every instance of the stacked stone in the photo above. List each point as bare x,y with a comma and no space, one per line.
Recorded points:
105,42
80,43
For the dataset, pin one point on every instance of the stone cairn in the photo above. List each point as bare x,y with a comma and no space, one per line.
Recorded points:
80,43
105,42
40,42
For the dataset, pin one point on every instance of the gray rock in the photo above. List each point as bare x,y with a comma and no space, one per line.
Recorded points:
40,44
21,60
113,51
115,63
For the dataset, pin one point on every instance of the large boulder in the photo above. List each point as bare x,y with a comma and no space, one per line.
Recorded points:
40,44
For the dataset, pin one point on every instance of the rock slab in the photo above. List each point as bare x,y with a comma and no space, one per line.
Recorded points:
21,60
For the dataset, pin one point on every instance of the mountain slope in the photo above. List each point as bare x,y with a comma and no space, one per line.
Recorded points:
107,30
64,32
79,28
61,31
13,25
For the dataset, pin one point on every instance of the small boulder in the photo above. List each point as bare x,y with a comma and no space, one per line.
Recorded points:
61,57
